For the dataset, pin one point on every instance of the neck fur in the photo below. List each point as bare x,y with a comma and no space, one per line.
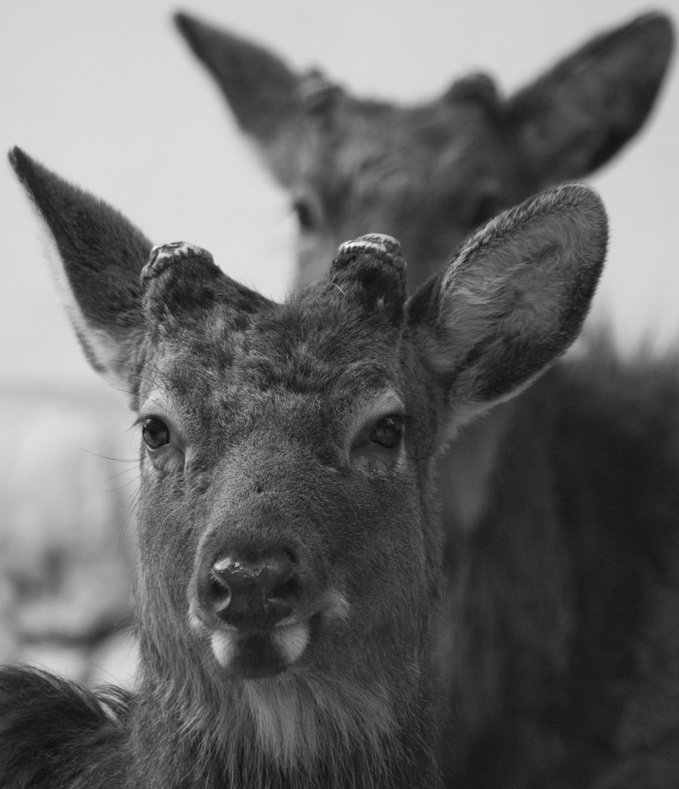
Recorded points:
294,730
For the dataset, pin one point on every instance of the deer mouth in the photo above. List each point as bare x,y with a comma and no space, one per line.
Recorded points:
254,654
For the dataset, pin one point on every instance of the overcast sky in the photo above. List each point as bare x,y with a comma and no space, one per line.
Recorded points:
107,94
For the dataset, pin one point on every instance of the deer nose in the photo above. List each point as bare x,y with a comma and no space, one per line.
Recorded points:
253,592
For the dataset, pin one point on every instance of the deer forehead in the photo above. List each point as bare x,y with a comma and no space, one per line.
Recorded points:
423,174
311,357
373,138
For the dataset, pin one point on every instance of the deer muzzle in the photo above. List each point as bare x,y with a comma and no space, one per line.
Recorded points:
252,592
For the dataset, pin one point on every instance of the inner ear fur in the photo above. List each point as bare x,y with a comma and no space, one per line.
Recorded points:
513,299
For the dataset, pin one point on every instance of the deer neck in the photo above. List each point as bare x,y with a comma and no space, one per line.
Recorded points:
286,732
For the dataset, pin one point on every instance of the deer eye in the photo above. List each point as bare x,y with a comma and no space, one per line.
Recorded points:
377,445
388,432
305,216
155,432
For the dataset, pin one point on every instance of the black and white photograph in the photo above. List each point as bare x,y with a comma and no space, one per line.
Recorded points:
339,395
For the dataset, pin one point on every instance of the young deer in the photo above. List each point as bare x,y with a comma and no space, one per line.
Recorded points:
289,539
431,173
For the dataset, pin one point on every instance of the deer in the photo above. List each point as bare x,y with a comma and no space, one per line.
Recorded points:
430,173
289,589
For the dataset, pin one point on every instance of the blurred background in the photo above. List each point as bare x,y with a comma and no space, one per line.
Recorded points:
108,95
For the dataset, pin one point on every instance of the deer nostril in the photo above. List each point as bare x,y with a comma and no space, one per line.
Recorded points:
285,590
252,592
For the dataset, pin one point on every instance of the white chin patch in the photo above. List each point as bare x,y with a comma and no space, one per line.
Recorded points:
289,641
224,646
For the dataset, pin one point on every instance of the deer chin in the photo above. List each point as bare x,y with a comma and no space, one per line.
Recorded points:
256,654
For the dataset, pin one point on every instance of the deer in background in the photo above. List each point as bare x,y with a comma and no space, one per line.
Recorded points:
431,173
289,539
561,507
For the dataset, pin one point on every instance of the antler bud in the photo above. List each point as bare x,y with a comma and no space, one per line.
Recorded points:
372,268
164,255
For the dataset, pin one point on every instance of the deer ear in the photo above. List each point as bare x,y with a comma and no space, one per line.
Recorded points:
97,260
511,301
259,87
580,113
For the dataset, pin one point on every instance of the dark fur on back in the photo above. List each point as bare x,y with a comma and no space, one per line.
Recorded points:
56,734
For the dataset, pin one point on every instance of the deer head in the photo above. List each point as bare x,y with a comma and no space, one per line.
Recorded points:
429,174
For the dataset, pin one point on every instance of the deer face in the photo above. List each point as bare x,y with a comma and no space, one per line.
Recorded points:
430,175
283,449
